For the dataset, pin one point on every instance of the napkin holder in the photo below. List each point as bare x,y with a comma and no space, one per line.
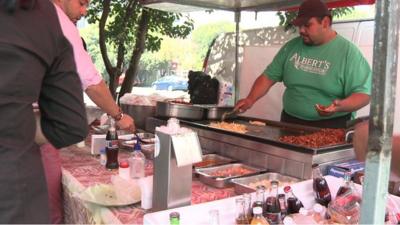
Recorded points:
172,185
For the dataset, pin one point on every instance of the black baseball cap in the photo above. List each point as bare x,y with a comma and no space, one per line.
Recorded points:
309,9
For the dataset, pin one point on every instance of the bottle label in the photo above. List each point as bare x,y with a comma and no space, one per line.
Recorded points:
112,144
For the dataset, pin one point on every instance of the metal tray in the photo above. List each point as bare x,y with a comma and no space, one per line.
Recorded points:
212,160
243,184
223,182
178,110
214,112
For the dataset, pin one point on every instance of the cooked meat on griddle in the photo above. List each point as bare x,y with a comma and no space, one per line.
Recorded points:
324,137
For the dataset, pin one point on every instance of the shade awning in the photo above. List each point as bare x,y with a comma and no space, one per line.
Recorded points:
241,5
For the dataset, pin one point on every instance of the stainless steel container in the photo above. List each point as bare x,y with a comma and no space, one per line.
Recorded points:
139,113
179,110
215,112
205,174
213,160
247,184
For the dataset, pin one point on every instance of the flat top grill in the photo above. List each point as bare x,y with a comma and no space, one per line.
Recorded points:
271,133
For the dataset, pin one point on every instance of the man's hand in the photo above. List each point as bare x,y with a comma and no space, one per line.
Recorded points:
328,110
243,105
126,123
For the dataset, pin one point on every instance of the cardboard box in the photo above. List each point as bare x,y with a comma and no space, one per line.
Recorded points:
339,169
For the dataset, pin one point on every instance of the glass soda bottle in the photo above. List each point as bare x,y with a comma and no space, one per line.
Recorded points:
282,205
293,203
258,218
137,162
112,146
346,186
320,186
272,207
260,198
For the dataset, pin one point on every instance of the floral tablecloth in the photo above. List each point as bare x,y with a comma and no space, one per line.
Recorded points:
81,170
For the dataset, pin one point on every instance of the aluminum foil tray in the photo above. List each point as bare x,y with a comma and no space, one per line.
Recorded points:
208,175
248,184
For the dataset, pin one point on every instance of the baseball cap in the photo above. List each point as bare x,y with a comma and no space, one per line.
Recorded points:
310,8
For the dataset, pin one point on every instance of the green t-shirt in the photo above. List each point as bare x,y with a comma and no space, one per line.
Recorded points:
319,74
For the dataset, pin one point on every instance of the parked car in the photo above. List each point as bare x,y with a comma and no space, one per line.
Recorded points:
170,83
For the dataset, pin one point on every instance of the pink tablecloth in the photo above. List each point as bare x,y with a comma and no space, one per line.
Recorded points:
81,170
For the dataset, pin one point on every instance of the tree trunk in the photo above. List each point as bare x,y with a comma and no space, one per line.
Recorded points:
138,50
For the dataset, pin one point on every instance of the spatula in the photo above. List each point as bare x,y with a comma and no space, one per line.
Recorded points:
228,113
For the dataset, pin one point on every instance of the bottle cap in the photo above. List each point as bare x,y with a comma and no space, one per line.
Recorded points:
287,189
124,164
257,210
174,215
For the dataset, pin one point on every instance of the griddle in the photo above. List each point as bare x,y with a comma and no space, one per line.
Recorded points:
271,133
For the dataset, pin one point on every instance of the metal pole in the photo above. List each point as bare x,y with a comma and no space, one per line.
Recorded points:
382,112
236,82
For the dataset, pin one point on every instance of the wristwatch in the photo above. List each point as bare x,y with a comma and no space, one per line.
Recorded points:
119,116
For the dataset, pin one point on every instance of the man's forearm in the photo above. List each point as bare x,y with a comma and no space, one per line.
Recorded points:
353,103
260,87
101,96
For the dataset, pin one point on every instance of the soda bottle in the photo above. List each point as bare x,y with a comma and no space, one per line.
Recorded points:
258,218
137,162
282,205
293,203
272,208
346,186
260,197
112,146
320,186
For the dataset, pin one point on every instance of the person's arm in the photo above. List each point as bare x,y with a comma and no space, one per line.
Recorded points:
260,87
92,83
350,104
101,96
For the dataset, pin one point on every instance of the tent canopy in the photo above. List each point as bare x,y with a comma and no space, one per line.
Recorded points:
241,5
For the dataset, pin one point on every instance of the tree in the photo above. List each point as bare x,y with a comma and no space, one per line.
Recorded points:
127,29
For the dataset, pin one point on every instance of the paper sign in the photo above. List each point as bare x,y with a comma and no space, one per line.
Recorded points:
187,148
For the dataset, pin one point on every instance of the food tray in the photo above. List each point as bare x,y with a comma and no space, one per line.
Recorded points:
244,184
212,160
206,174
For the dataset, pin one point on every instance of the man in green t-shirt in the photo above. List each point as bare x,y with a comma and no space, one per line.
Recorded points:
327,78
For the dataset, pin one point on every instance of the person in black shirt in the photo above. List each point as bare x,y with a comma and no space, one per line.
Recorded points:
37,65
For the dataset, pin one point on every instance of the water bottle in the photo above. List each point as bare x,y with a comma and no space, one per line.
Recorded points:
136,162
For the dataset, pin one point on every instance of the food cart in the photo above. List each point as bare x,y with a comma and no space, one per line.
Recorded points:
383,95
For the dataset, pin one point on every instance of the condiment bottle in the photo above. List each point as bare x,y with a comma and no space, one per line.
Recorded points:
258,218
293,203
320,186
241,217
124,170
112,146
137,162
